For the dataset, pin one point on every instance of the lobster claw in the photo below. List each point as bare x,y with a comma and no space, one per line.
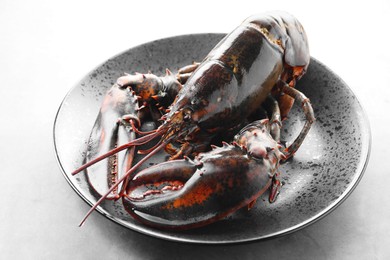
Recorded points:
184,194
112,128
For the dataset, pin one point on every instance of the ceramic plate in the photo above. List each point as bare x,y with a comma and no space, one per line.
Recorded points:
321,175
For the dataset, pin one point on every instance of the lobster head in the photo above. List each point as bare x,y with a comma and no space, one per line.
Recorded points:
179,125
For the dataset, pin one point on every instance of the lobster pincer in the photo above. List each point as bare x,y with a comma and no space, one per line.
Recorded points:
183,194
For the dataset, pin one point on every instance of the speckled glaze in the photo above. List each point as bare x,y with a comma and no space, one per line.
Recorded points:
325,170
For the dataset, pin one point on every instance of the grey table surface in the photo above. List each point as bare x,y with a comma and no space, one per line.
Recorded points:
47,46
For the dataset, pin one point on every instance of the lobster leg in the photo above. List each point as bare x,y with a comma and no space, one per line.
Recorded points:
276,121
185,72
309,114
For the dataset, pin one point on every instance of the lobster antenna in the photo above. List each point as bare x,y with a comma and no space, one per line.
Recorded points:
130,171
136,142
136,130
150,149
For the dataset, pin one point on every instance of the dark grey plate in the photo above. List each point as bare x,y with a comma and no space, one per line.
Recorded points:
322,174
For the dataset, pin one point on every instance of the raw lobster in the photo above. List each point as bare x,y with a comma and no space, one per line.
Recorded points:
260,60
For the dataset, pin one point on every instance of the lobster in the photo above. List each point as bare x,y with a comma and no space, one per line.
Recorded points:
257,63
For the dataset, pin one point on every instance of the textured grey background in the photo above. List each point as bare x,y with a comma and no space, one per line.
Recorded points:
47,46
